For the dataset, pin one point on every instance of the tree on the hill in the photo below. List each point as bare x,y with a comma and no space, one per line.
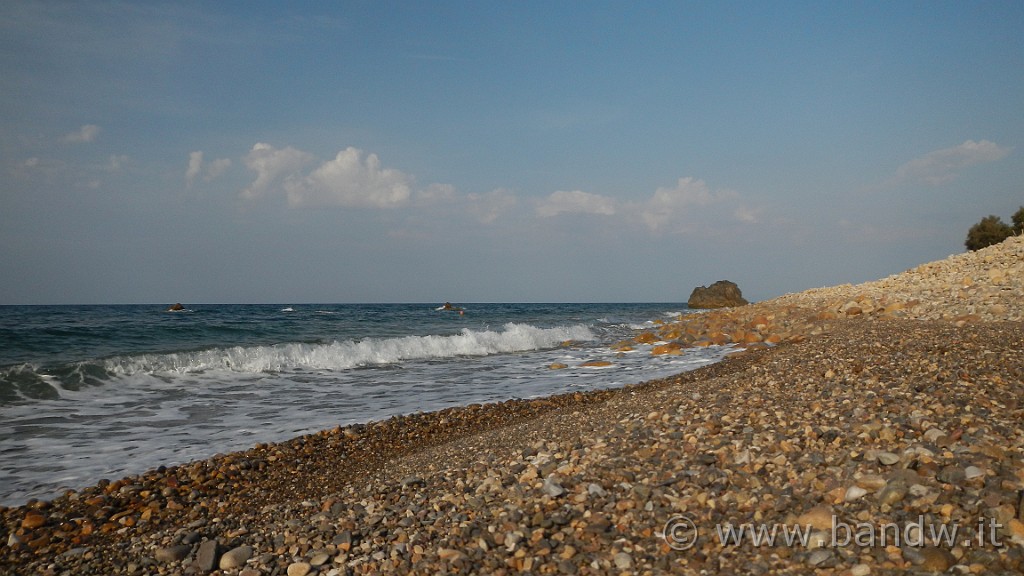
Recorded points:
991,230
1018,221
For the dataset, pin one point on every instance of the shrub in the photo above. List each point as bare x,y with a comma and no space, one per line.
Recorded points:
1018,221
991,230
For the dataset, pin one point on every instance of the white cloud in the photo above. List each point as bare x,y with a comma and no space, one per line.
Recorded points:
437,193
273,166
487,207
213,169
747,214
195,164
575,202
942,166
216,168
86,133
674,204
351,180
117,162
688,207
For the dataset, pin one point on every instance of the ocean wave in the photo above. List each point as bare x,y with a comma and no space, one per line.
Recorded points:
349,354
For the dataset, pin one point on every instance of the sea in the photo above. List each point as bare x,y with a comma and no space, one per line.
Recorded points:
94,392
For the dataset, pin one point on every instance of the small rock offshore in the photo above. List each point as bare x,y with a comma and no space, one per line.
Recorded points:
884,420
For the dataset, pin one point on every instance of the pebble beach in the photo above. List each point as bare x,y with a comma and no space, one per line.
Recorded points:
885,420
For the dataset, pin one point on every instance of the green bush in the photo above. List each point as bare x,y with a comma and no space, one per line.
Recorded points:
1018,221
991,230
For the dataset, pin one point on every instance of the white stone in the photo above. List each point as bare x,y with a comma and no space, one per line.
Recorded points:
552,488
854,493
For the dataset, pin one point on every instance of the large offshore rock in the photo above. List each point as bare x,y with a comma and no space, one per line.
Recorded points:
721,294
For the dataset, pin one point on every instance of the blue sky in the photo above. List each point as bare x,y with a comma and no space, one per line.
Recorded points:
496,151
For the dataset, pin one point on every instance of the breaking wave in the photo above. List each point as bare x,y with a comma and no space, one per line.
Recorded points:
296,356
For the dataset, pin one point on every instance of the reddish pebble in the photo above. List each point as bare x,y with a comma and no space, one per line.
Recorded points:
33,520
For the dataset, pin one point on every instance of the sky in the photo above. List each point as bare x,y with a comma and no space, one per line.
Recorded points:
322,152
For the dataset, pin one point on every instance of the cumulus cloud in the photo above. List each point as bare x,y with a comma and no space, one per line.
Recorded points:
213,169
941,166
216,168
86,133
673,204
436,193
487,207
351,179
575,202
273,167
195,164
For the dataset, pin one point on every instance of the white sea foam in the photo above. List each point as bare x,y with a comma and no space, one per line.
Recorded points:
350,354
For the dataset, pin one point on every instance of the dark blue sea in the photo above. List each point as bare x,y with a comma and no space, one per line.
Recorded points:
91,392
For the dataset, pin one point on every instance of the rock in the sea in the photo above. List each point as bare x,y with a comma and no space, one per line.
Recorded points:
721,294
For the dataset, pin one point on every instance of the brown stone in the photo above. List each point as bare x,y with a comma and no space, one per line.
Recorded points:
933,559
721,294
33,520
819,518
751,338
719,339
672,349
647,338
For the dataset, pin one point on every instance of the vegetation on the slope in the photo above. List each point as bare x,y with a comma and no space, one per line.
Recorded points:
992,230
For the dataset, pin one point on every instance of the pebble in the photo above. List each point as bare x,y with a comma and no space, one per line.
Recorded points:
819,517
206,557
552,488
930,558
972,472
819,556
854,493
235,557
860,570
299,569
893,492
172,553
888,458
